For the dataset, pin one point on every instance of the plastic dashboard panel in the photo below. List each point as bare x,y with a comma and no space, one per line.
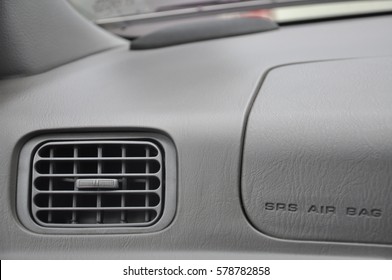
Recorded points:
198,94
317,155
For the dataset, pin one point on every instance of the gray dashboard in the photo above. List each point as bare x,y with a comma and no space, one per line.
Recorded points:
199,95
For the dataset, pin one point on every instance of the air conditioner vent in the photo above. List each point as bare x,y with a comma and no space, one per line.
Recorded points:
99,183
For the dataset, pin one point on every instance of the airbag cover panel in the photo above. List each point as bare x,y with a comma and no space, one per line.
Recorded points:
317,162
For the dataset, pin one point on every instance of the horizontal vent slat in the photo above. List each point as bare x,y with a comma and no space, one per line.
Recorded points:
95,208
83,175
98,158
101,192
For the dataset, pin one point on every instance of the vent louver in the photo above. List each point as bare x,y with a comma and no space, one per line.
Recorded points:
100,183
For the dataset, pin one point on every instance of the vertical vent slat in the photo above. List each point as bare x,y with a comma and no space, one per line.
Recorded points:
147,202
133,167
50,187
123,184
99,171
75,171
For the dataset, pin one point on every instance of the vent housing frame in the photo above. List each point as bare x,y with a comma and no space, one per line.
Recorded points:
33,158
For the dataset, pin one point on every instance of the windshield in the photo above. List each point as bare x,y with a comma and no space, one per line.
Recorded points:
134,18
98,10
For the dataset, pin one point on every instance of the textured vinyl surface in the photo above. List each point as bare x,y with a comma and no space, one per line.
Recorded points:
198,94
318,152
36,36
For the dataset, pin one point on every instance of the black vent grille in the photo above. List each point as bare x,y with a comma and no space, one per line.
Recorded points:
134,168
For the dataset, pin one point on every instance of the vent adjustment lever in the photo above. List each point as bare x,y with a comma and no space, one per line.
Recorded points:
85,184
